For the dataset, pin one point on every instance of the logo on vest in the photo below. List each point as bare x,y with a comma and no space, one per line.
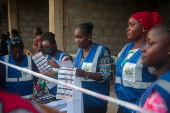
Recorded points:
87,66
129,72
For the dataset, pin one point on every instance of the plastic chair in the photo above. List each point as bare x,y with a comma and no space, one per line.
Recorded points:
27,52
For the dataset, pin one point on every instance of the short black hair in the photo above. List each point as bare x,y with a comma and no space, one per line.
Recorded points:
16,43
87,27
39,30
49,36
14,31
166,24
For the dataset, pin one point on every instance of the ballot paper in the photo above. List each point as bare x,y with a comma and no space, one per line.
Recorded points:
74,98
67,75
65,63
41,62
76,105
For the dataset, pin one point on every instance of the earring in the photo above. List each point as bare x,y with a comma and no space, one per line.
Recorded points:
144,30
89,39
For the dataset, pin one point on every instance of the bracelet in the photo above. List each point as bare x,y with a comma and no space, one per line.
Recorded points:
56,76
86,76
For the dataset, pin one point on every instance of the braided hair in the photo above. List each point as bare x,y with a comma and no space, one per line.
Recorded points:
49,36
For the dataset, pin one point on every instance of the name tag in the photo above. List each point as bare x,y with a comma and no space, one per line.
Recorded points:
25,74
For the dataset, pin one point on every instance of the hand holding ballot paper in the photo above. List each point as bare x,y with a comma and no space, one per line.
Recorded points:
46,69
53,64
66,74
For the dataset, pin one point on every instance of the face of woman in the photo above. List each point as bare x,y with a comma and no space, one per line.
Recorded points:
155,52
35,32
134,30
81,38
49,48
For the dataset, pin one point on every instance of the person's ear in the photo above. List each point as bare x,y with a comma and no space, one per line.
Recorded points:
55,45
89,36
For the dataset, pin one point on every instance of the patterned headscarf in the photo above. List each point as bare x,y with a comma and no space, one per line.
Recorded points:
147,19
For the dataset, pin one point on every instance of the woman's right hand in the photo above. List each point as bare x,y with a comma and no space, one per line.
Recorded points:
53,64
80,72
50,73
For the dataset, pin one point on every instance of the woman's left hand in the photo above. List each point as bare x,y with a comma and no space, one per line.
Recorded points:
80,72
50,74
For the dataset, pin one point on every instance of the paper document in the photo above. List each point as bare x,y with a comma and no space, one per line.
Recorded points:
65,63
75,99
41,62
67,75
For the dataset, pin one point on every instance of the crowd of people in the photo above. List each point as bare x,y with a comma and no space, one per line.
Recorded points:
141,69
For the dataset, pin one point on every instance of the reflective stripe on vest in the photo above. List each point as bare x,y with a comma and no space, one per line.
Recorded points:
6,59
164,85
137,85
77,52
61,56
122,51
29,77
94,63
138,70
